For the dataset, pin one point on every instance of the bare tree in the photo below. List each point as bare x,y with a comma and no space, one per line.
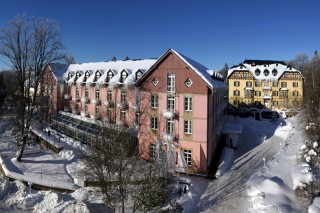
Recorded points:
114,162
29,44
69,59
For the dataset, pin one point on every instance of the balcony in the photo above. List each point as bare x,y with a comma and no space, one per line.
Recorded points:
84,99
84,114
168,137
76,99
107,103
67,96
169,113
122,105
66,109
266,87
95,101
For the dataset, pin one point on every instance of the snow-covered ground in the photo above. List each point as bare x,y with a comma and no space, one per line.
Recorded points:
255,177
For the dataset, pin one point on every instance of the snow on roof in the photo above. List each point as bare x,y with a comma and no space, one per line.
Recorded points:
58,69
209,76
129,66
270,70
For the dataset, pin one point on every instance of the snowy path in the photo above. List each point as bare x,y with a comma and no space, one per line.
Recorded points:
260,139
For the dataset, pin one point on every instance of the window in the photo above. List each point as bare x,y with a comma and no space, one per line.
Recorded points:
123,96
152,151
295,103
248,84
274,93
109,113
295,75
137,117
257,72
257,84
170,125
97,94
266,72
77,92
154,123
275,103
97,110
48,77
154,101
70,75
257,93
274,72
171,82
188,82
295,93
283,94
237,75
188,156
187,127
154,81
77,75
170,102
86,76
266,83
138,74
86,93
109,96
236,83
245,75
275,84
123,115
236,93
295,84
124,76
283,84
109,75
86,108
187,103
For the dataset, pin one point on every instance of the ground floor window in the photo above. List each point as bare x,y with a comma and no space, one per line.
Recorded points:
188,156
152,151
275,103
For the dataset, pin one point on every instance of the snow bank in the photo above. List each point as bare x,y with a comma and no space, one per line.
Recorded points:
315,206
301,175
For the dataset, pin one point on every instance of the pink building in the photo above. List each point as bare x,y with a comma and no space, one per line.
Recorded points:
182,108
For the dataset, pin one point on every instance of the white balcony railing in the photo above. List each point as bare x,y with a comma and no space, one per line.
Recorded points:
67,96
122,105
167,137
107,103
95,101
84,99
168,113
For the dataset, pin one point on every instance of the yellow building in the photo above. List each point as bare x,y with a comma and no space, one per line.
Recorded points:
273,84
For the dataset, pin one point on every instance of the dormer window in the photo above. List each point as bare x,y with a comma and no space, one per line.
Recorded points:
77,75
70,75
257,72
138,74
274,72
188,82
154,81
109,75
98,75
87,75
266,72
124,76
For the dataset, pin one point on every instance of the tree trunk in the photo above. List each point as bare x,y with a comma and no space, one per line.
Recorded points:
19,153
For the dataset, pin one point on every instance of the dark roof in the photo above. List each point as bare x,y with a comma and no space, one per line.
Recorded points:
262,62
58,69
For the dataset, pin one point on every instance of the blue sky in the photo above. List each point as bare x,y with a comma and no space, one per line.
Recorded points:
212,32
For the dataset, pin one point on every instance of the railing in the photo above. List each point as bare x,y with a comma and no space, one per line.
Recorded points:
95,101
84,99
169,113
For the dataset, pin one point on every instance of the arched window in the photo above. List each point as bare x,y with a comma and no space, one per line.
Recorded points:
109,75
257,72
266,72
274,72
124,76
87,75
98,75
138,74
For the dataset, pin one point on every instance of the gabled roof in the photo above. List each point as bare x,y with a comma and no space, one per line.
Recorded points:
58,69
208,76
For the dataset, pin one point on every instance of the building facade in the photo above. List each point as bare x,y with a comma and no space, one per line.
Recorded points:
264,83
182,107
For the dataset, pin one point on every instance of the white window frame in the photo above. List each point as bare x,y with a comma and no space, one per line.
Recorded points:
188,82
170,126
170,102
154,101
171,82
188,104
188,127
187,153
154,81
154,123
152,151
